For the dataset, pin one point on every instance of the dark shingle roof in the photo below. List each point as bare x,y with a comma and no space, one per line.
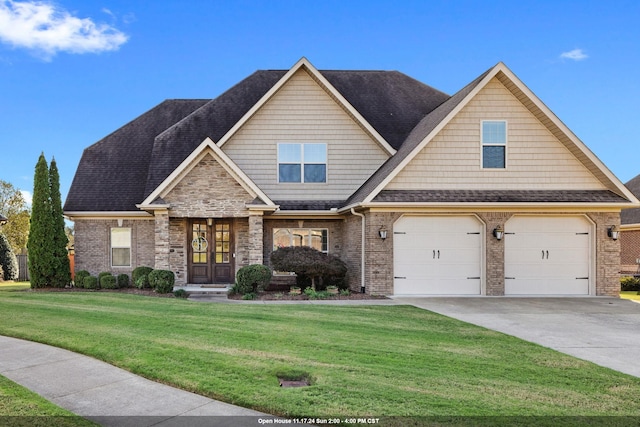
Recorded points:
112,172
632,216
499,196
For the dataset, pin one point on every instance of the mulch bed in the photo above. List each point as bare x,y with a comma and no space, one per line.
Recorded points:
285,296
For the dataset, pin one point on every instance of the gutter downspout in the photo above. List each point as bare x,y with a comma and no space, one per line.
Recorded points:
362,286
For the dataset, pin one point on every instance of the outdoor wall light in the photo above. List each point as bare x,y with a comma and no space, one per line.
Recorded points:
382,232
209,222
613,232
498,232
3,220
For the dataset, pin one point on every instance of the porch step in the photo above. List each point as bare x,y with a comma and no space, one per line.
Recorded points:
208,289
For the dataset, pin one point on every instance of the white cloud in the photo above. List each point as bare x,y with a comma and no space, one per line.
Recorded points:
28,197
47,29
575,55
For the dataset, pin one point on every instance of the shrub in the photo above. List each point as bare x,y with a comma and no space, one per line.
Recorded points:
90,282
108,281
79,278
309,263
162,281
123,280
140,277
629,283
103,273
249,296
8,260
139,272
252,278
180,293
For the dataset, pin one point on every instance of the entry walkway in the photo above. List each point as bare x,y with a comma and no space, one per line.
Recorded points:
96,390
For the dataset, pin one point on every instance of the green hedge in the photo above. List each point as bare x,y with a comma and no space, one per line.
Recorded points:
162,281
107,281
252,278
123,280
79,278
90,282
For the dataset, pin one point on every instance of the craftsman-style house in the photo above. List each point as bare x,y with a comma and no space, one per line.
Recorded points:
485,192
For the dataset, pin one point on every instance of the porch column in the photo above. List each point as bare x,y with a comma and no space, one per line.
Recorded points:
255,237
161,239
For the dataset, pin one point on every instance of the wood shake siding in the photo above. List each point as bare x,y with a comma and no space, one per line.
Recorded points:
535,157
303,112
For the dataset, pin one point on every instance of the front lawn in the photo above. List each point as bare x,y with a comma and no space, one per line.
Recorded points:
362,360
632,295
21,407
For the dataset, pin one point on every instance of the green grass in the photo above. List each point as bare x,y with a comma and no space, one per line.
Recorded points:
19,406
362,360
633,295
14,286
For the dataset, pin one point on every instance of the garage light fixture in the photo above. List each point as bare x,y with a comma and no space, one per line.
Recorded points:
382,232
498,232
613,232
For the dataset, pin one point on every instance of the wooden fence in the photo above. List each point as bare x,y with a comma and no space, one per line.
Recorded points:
23,268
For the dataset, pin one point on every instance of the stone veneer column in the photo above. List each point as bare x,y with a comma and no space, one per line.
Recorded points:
161,240
255,237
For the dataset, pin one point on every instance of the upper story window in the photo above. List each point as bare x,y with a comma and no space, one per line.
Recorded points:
494,144
120,247
298,162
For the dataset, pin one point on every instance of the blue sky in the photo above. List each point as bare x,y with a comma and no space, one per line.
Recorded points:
72,71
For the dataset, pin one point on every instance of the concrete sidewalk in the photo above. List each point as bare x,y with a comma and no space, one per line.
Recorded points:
108,395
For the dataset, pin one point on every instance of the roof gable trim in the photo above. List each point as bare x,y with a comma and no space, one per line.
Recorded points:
206,147
304,63
506,72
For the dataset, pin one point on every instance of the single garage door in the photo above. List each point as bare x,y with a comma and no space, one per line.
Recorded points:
436,255
547,255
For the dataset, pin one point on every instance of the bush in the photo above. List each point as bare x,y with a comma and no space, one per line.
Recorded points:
8,260
142,282
90,282
108,281
123,280
138,272
162,281
252,278
310,264
180,293
79,278
629,283
103,273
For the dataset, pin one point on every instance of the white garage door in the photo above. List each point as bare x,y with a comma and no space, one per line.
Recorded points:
547,255
437,255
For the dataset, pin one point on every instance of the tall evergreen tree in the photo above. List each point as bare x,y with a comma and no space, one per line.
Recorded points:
40,243
61,270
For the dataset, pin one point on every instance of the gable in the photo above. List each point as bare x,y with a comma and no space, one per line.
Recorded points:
303,112
536,158
207,190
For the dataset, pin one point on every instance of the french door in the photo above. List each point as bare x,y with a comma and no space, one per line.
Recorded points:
211,252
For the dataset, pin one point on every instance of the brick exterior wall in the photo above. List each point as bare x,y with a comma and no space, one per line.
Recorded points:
178,249
629,252
352,237
494,260
93,246
607,254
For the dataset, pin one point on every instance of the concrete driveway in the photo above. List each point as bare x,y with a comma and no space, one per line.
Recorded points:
605,331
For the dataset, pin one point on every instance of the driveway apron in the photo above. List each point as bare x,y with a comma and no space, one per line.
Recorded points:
602,330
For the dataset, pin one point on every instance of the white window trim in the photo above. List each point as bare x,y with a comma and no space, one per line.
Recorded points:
302,163
505,145
121,247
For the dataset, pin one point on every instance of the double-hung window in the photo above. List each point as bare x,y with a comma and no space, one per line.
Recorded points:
120,247
302,162
494,144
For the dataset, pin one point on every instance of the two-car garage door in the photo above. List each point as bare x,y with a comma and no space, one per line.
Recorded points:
443,255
